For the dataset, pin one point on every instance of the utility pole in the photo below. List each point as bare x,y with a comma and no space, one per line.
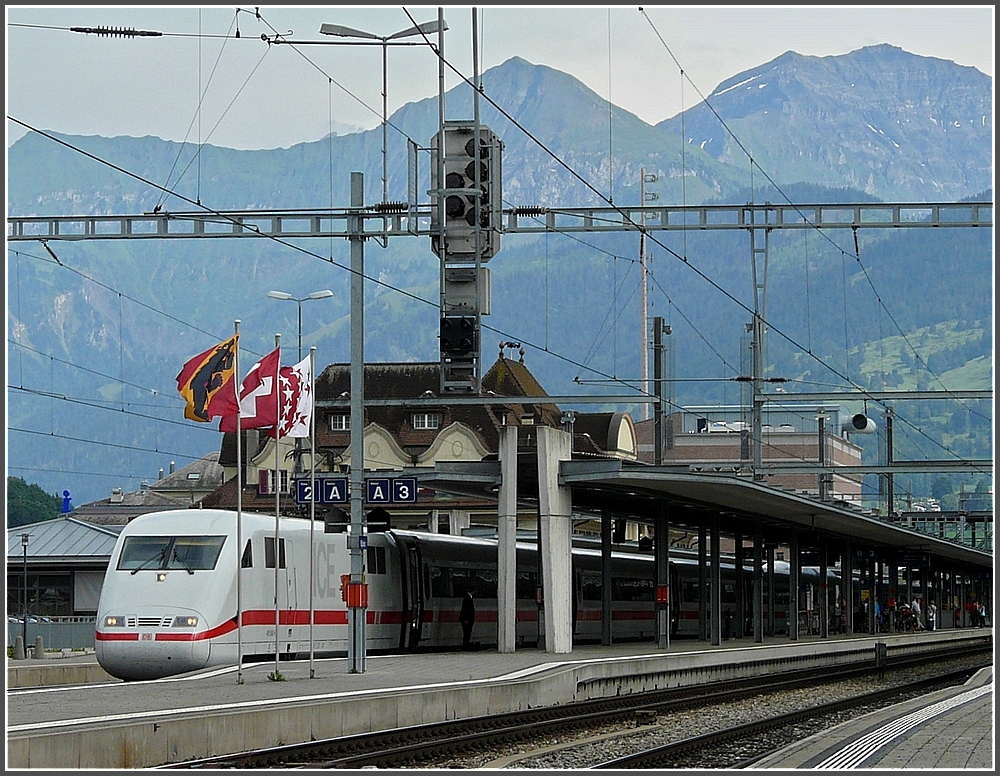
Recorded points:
356,539
643,287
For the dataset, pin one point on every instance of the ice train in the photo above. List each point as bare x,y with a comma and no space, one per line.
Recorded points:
169,600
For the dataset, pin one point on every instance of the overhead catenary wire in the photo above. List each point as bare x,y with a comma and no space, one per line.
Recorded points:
806,220
424,300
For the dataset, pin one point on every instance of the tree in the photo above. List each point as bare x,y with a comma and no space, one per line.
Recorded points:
29,503
941,487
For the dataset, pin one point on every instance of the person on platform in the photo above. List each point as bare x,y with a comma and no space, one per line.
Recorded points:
915,608
467,618
931,616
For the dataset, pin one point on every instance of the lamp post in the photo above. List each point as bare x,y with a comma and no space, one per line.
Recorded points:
324,294
349,32
24,621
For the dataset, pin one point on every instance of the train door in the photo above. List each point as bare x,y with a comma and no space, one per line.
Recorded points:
279,588
413,598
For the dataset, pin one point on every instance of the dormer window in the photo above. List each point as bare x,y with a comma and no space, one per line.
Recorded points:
423,421
340,422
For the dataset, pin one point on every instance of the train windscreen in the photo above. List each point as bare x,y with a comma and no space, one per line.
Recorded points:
158,553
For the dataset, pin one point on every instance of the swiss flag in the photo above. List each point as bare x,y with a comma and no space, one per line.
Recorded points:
258,396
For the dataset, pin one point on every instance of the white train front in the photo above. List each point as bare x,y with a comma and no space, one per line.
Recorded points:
169,601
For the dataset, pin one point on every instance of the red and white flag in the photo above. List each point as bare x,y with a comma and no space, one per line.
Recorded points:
258,396
295,385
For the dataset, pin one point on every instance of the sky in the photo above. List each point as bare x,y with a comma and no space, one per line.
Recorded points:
260,95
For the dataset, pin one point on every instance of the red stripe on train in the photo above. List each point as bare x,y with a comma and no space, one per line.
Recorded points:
100,636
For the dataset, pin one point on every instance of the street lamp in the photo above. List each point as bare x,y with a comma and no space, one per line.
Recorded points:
324,294
349,32
24,621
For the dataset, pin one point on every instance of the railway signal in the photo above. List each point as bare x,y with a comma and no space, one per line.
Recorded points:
467,191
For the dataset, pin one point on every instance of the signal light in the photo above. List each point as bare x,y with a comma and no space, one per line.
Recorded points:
468,187
458,336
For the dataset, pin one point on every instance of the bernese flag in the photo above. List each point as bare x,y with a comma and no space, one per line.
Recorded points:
205,379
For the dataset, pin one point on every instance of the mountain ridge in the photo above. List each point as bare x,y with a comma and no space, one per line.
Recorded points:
585,286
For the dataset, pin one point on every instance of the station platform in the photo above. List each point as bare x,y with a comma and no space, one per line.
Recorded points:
110,724
951,729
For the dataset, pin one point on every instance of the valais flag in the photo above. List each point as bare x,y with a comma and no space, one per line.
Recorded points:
258,396
295,386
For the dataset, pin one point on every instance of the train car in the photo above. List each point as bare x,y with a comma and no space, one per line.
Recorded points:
169,600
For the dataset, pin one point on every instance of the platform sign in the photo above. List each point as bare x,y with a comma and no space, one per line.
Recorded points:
334,490
303,491
391,490
378,490
404,490
865,553
329,490
916,560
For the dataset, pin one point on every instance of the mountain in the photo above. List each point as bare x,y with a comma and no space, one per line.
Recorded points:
894,125
96,340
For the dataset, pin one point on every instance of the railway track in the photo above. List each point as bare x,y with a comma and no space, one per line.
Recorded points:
740,745
450,742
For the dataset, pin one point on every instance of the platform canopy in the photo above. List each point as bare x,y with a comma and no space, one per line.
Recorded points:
694,499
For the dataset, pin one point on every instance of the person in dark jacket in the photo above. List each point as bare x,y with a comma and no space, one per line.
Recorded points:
467,617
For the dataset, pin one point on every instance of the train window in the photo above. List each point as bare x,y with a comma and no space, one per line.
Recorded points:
484,582
269,552
376,560
440,582
461,580
527,582
247,560
195,552
192,553
626,589
592,587
143,552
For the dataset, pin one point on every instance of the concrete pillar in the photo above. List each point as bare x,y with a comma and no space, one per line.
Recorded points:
741,614
758,585
19,647
555,520
703,583
39,648
663,591
458,521
847,581
794,605
716,585
925,593
824,593
872,596
770,590
892,595
606,528
507,542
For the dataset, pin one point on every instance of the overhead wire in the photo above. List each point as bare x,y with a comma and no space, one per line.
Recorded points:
556,158
778,188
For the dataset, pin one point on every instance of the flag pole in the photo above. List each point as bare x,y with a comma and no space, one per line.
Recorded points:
312,496
277,497
239,511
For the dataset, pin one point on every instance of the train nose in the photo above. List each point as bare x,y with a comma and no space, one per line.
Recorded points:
133,648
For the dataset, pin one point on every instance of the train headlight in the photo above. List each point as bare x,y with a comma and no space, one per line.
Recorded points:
184,621
114,621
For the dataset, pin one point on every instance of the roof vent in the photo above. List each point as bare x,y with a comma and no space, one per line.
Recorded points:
117,497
